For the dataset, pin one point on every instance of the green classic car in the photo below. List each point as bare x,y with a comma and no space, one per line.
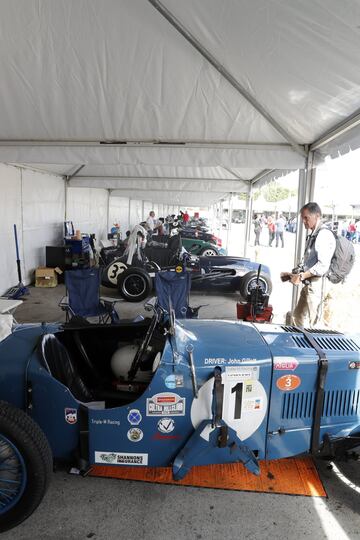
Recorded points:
196,246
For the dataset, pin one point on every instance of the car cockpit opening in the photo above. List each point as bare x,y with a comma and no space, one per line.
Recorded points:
113,364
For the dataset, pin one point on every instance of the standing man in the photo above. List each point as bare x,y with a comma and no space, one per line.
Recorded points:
311,272
257,229
279,230
151,221
271,228
186,217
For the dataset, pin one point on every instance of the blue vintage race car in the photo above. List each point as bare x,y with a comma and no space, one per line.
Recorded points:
133,272
163,393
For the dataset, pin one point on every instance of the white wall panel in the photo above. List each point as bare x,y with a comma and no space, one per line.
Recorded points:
43,203
148,206
136,211
10,213
87,209
119,213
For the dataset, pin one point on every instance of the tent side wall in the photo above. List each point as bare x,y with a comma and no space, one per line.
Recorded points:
35,202
87,208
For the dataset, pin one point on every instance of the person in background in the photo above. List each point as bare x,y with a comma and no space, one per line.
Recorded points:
357,226
151,221
271,228
257,229
126,239
351,231
279,230
161,226
311,271
186,217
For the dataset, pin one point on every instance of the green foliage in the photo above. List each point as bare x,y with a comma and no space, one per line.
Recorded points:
274,192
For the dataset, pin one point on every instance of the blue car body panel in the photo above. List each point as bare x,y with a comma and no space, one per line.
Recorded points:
269,382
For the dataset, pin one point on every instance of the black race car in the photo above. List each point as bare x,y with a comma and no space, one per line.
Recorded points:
133,272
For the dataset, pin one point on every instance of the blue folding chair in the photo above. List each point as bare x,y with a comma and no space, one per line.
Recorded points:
173,293
83,296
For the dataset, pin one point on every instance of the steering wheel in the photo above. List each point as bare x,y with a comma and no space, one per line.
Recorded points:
139,353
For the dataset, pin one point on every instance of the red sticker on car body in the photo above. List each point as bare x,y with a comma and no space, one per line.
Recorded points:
288,382
288,365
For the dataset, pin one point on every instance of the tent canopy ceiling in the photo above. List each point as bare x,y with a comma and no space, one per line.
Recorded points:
115,88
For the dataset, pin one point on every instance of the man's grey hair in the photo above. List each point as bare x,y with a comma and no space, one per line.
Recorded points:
312,207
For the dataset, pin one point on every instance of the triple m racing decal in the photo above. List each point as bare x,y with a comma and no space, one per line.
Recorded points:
114,271
244,401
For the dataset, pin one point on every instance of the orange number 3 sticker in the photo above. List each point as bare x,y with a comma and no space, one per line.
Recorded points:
288,382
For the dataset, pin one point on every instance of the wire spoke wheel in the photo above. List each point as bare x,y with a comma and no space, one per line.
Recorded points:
25,465
13,475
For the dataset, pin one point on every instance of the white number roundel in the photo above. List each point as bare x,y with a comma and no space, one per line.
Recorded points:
244,406
114,271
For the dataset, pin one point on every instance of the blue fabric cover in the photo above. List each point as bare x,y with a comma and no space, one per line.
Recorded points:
176,286
83,287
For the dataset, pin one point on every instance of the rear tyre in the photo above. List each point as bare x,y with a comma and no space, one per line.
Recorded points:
26,466
134,284
249,281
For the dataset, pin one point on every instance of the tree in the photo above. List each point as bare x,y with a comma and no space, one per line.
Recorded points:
274,192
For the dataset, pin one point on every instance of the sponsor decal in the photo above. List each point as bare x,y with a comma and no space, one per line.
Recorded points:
105,422
227,361
166,425
248,388
287,383
354,365
242,373
70,415
108,458
252,404
134,417
285,363
121,458
135,434
165,404
174,381
161,437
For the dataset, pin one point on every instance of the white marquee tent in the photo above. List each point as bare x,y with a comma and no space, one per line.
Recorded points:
112,107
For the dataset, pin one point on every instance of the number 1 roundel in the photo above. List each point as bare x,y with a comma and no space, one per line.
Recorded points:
244,405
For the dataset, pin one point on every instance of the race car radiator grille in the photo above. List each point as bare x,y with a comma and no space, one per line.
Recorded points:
341,403
298,405
328,343
336,403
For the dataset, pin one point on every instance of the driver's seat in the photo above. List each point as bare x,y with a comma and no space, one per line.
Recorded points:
56,359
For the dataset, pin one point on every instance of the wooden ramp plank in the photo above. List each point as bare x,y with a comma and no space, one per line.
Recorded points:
292,476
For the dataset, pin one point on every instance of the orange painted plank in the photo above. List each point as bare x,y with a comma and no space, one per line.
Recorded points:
293,476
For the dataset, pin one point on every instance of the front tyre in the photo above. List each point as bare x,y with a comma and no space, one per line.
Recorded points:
26,466
134,284
249,282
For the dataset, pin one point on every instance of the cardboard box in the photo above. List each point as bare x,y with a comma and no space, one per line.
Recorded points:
46,277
